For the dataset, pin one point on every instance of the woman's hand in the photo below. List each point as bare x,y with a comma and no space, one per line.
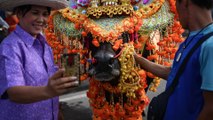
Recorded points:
58,84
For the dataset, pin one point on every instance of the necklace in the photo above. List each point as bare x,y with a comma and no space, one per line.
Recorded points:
185,44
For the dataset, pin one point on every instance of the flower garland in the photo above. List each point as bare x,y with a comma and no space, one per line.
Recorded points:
167,46
104,110
129,24
61,44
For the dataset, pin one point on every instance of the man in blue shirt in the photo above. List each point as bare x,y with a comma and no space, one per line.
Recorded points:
193,96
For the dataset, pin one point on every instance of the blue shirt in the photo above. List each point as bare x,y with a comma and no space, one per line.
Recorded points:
187,100
23,64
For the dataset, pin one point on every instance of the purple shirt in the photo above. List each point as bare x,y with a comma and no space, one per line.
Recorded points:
23,65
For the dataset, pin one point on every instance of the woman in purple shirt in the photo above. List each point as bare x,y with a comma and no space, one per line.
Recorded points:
29,82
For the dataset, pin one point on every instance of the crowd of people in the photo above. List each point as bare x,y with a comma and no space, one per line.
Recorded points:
30,82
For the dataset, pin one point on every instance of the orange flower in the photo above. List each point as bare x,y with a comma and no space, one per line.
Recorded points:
95,42
84,34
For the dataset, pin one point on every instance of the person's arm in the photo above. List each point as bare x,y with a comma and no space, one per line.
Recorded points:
28,94
207,110
156,69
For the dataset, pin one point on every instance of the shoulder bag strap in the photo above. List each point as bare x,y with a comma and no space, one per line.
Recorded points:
182,67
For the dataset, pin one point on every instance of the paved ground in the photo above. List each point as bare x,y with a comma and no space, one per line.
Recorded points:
75,105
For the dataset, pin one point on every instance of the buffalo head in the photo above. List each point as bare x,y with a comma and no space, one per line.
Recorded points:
105,66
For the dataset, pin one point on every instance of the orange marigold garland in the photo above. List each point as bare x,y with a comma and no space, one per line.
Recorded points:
60,43
103,110
164,52
101,35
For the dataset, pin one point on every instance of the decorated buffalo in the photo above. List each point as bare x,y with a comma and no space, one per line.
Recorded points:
107,33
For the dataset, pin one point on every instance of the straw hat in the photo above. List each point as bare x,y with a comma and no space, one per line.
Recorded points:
9,5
